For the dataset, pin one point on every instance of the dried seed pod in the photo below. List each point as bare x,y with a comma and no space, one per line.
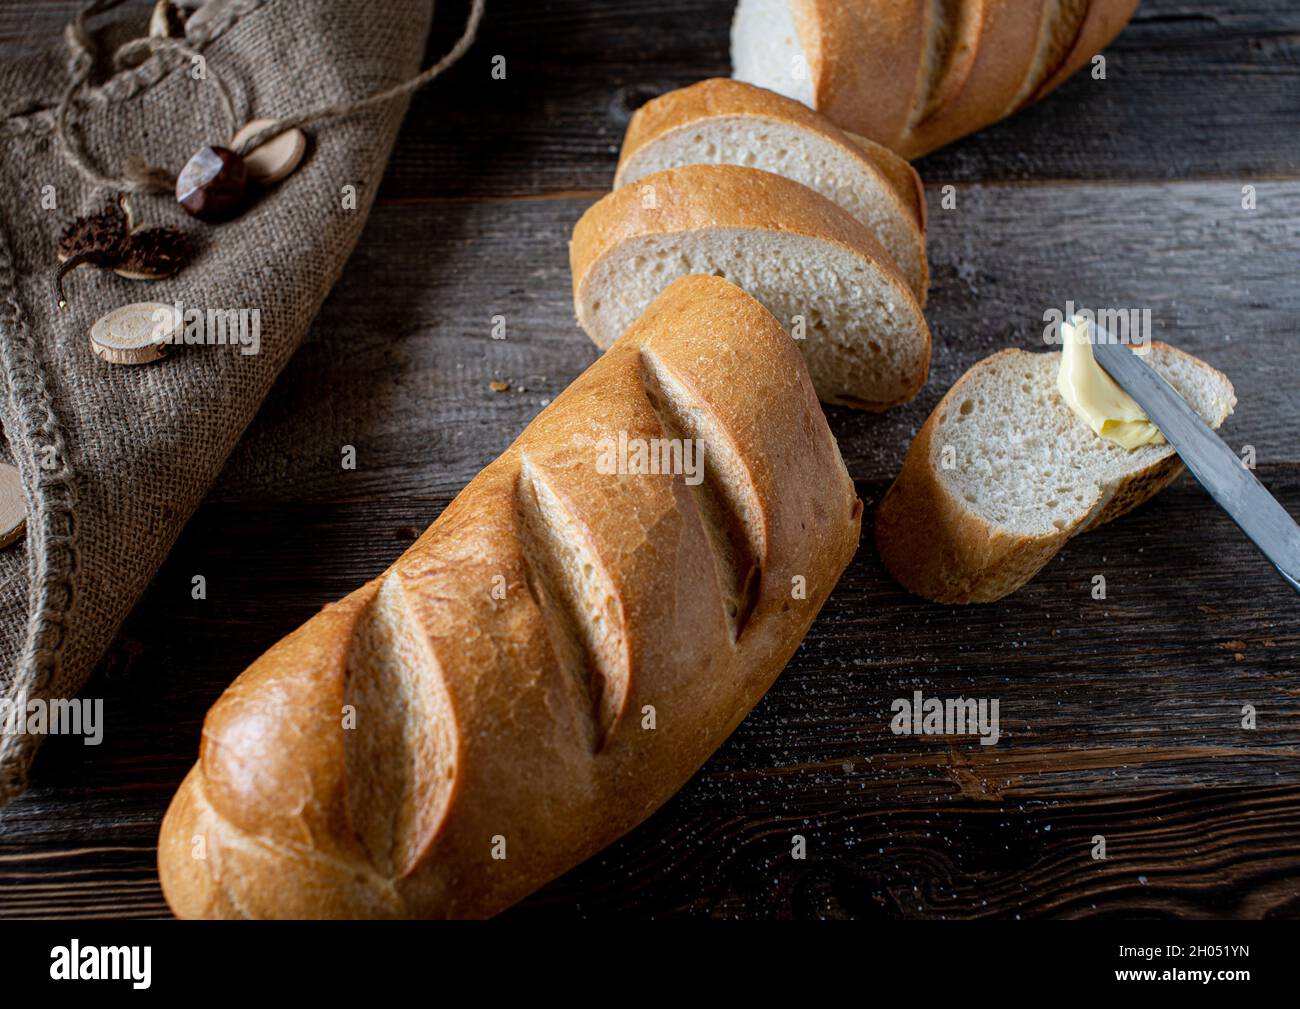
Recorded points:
152,253
106,239
104,229
212,184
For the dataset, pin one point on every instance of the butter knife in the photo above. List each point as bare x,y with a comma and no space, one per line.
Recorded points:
1220,471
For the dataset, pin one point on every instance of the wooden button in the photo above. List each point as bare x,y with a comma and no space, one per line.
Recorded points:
137,333
13,505
274,160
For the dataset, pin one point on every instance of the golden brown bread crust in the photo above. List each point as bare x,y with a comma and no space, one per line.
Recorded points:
935,546
866,60
485,712
723,98
903,177
957,56
1006,40
1060,31
992,63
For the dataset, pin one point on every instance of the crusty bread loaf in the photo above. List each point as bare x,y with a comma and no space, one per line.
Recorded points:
721,121
811,263
917,75
1022,475
550,661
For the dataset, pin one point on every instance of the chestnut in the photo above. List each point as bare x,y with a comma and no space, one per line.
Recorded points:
212,184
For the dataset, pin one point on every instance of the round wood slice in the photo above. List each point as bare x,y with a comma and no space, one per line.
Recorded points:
13,505
277,158
135,334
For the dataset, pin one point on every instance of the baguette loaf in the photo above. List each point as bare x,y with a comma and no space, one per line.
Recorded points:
918,74
811,263
550,661
1023,475
721,121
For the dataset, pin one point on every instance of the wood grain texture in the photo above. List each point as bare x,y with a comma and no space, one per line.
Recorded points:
1121,717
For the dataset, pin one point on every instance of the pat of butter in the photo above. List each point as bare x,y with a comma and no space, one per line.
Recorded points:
1095,398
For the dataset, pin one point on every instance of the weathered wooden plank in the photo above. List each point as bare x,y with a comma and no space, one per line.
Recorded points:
1214,853
1166,855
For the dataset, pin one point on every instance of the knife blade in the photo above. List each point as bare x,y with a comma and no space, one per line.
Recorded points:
1218,469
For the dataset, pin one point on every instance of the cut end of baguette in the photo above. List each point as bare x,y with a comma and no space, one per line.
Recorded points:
1003,473
816,268
766,50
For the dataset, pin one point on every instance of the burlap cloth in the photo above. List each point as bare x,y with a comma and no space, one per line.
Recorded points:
115,459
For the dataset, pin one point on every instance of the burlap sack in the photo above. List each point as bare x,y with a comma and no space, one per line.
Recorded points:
114,459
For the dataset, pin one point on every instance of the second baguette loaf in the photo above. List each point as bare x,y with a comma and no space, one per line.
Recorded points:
917,74
551,660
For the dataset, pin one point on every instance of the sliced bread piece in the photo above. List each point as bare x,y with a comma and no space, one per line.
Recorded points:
766,50
902,177
722,121
811,263
1022,474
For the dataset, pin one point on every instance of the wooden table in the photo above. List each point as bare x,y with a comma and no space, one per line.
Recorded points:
1120,717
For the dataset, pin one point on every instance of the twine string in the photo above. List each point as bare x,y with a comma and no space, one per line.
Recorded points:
341,109
140,177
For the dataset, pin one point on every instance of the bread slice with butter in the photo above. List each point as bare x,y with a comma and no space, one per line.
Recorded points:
1004,472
